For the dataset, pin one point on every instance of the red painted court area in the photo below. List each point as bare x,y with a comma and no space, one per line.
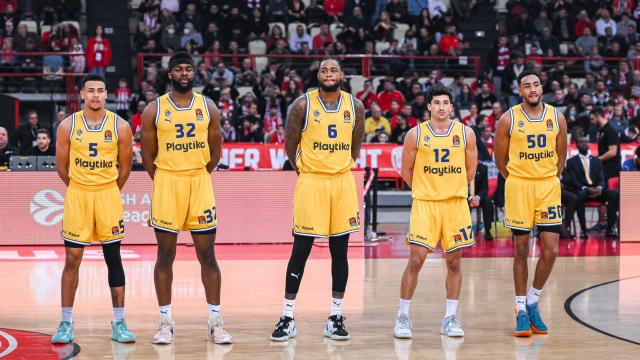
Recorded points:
18,344
393,248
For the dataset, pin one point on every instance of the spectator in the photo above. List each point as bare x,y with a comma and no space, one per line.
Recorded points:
296,11
169,39
8,57
278,11
98,52
388,94
604,22
60,116
583,22
485,98
632,164
600,97
224,73
465,99
397,10
78,60
542,22
406,112
367,95
400,130
608,144
203,75
356,20
228,131
151,20
276,34
43,144
226,104
394,109
549,42
586,42
472,119
22,36
295,40
171,5
450,42
563,27
136,120
383,30
250,130
375,123
271,122
323,37
26,134
279,136
6,150
496,113
523,26
191,35
419,105
584,177
189,15
381,138
437,9
624,24
334,8
210,36
257,27
480,199
123,96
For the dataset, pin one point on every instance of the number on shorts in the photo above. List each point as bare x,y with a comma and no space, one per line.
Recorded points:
467,233
554,212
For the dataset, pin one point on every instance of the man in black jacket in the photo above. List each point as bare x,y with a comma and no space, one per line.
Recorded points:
26,134
584,177
6,150
481,198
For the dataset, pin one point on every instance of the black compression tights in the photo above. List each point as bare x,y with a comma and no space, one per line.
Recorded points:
338,245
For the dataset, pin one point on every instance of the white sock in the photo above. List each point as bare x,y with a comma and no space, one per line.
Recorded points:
165,311
533,295
521,303
214,311
452,307
118,314
403,308
336,306
288,308
66,313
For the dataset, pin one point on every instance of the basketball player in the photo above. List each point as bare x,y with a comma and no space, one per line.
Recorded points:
181,145
323,134
445,156
530,151
94,152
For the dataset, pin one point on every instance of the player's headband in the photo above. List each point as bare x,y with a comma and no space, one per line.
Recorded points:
180,58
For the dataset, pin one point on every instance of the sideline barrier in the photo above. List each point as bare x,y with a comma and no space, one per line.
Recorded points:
253,207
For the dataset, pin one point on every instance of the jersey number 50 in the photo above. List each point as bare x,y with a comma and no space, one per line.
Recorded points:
541,141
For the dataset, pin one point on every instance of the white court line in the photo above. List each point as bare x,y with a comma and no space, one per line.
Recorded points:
13,344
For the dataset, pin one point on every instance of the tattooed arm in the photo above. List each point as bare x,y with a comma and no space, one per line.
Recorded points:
358,130
293,130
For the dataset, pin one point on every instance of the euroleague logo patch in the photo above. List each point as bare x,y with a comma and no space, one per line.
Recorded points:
202,220
549,125
347,116
456,141
108,136
457,238
199,116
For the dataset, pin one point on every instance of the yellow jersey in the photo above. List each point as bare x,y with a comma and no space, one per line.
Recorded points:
93,153
183,134
325,146
440,170
532,148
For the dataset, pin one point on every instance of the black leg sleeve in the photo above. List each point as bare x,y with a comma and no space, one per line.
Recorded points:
339,263
114,264
299,254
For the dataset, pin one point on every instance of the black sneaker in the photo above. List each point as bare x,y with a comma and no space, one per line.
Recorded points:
285,329
335,328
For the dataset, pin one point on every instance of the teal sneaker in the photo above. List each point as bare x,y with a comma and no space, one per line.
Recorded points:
523,326
64,334
537,325
121,333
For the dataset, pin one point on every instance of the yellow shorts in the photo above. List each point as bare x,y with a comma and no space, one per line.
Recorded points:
92,214
325,205
532,202
183,201
447,220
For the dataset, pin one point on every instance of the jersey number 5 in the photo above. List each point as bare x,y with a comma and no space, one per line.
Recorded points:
93,149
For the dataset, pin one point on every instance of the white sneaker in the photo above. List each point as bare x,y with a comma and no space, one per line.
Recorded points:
451,327
216,333
402,329
165,332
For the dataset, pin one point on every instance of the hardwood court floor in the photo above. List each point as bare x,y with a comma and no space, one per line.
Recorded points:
252,295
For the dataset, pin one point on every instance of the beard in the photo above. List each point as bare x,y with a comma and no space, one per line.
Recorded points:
330,88
177,86
533,103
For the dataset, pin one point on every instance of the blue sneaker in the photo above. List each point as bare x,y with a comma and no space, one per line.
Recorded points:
121,333
64,333
537,325
523,327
